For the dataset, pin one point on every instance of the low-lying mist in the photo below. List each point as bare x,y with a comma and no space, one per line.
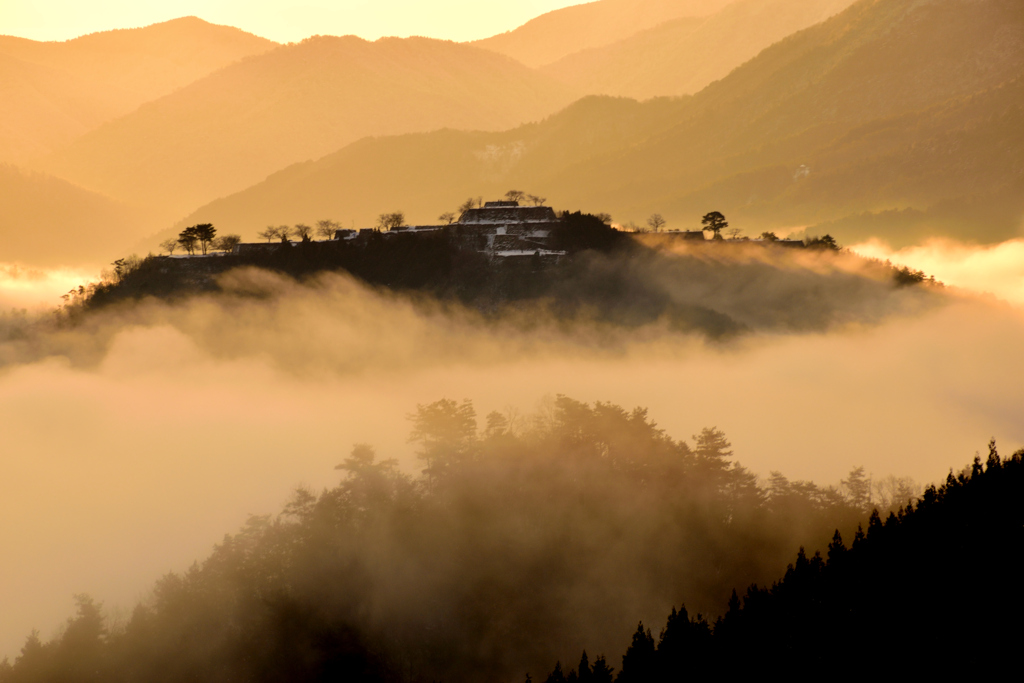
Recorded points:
135,438
34,288
996,269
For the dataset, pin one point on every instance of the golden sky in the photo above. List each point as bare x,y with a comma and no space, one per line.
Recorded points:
277,20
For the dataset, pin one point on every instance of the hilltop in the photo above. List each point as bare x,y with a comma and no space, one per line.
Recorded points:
54,92
231,129
682,56
556,34
892,119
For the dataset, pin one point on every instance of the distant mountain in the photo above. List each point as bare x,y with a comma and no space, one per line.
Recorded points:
894,118
50,222
682,56
562,32
298,102
53,92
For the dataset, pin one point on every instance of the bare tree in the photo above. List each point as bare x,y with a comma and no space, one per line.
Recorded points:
514,195
268,234
169,245
734,233
283,233
447,218
467,205
326,229
656,222
390,221
227,242
605,218
302,231
535,200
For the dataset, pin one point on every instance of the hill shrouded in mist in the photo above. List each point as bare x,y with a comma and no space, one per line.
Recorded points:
893,117
231,129
53,92
682,56
965,533
519,539
556,34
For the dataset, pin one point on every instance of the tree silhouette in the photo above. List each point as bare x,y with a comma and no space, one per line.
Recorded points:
638,664
227,242
447,218
390,221
188,239
514,195
326,229
715,222
169,245
656,222
446,433
205,234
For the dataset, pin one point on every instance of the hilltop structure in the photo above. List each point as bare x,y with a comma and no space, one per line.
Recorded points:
502,229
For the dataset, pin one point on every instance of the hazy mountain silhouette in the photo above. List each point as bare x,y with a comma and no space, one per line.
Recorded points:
53,92
48,222
682,56
562,32
301,101
906,110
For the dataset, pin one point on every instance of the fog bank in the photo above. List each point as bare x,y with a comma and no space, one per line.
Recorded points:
996,269
133,442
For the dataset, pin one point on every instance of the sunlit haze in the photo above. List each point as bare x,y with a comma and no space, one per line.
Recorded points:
279,21
485,341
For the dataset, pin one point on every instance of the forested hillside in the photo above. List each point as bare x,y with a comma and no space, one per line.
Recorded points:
518,541
935,577
718,289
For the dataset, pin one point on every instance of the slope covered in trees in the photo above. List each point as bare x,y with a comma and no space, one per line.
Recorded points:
937,577
53,92
516,542
888,118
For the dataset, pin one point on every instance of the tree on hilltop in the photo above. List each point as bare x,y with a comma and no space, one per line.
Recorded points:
169,245
326,229
188,239
205,234
390,221
447,218
227,242
715,222
656,222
